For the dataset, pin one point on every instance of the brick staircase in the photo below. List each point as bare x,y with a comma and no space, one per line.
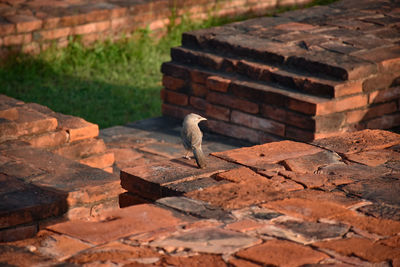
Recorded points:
303,75
50,165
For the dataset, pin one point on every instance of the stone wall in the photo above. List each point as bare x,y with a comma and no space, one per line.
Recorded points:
303,75
31,26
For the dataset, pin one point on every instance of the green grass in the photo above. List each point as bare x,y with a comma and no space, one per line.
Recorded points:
108,83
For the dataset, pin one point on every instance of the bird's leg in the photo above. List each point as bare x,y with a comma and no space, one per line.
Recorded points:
186,156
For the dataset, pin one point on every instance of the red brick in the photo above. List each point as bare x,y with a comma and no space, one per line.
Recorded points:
362,248
17,39
348,88
7,28
198,103
288,117
232,102
358,115
50,22
81,149
384,95
91,27
347,103
7,112
25,23
172,83
295,26
46,140
18,233
55,33
260,155
118,12
299,134
231,130
217,112
244,225
76,19
359,141
306,209
302,106
174,111
379,81
216,83
241,174
176,98
199,89
197,76
375,157
282,253
77,128
385,121
100,161
123,222
118,24
258,123
388,58
98,15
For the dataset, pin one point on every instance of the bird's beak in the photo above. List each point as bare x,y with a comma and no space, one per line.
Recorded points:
203,119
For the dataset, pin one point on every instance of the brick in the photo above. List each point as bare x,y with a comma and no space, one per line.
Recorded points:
235,131
299,134
77,128
288,117
29,122
295,26
347,103
71,20
255,71
98,14
258,156
25,23
360,247
359,141
384,122
7,28
198,76
47,140
100,161
348,88
172,83
232,102
8,112
258,123
153,181
120,23
81,149
217,112
216,83
312,163
91,28
128,221
282,253
174,111
18,233
175,70
388,58
176,98
358,115
55,33
199,89
384,95
198,103
17,39
244,225
379,81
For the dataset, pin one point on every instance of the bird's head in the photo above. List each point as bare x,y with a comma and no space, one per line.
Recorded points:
194,118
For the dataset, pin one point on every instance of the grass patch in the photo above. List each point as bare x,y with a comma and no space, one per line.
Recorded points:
108,83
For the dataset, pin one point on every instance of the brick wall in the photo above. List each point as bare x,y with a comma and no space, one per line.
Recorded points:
32,26
303,75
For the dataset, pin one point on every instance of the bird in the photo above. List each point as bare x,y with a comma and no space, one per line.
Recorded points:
192,138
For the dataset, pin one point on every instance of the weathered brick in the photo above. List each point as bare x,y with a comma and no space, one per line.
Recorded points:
217,83
7,28
55,33
231,130
25,23
91,27
199,89
384,95
176,98
172,83
299,134
72,20
347,103
348,88
198,76
198,103
388,58
18,233
46,140
232,102
81,149
379,81
100,161
385,121
258,123
217,112
17,39
174,111
358,115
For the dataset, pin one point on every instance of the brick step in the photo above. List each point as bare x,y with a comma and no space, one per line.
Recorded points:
39,185
81,149
273,75
228,41
27,122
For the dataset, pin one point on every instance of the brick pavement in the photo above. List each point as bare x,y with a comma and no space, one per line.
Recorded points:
301,75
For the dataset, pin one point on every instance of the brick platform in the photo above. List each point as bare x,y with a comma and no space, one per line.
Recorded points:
302,75
31,26
333,202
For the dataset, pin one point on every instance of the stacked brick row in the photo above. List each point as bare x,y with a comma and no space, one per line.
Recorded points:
65,135
304,75
32,26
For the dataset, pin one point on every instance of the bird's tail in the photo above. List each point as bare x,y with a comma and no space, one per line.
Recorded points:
199,156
